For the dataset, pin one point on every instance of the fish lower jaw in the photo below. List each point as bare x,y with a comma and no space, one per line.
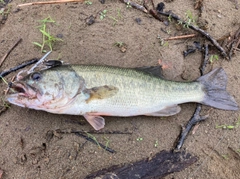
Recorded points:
13,101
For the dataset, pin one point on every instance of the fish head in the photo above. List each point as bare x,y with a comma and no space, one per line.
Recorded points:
47,90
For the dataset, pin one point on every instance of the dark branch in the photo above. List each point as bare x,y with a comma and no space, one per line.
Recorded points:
23,65
196,118
214,42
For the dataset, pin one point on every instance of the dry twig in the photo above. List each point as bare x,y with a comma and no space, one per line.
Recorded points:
199,5
86,137
49,2
174,16
196,118
135,5
155,15
94,141
181,37
22,65
234,44
214,42
9,51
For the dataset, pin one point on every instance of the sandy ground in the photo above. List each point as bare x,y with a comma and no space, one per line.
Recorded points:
26,151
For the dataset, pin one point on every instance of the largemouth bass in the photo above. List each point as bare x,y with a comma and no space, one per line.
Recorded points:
96,91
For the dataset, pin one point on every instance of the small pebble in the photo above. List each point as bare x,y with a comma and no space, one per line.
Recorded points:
123,49
60,36
58,6
102,1
160,6
138,20
90,20
166,23
16,10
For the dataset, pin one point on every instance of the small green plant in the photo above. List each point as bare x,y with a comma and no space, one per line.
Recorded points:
47,38
93,138
224,126
87,2
225,157
170,18
2,11
139,139
103,14
107,142
189,20
162,42
213,58
114,20
156,143
5,104
129,5
119,44
2,1
165,44
6,83
117,17
119,14
5,11
4,80
168,31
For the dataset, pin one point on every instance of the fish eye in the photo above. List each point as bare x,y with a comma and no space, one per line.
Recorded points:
36,76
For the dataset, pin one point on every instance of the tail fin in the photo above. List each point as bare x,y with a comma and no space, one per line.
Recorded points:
215,84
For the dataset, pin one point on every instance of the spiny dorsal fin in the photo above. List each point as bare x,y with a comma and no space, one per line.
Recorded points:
153,70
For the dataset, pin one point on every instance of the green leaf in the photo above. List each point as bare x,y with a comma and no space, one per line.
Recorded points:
37,44
45,33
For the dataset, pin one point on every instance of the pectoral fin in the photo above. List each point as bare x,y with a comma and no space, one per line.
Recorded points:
102,92
168,111
97,122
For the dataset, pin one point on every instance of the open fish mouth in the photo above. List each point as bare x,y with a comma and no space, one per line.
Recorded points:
21,89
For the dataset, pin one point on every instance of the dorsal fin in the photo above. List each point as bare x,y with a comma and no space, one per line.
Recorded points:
153,70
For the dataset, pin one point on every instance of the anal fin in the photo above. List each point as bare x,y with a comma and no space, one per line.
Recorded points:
167,111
